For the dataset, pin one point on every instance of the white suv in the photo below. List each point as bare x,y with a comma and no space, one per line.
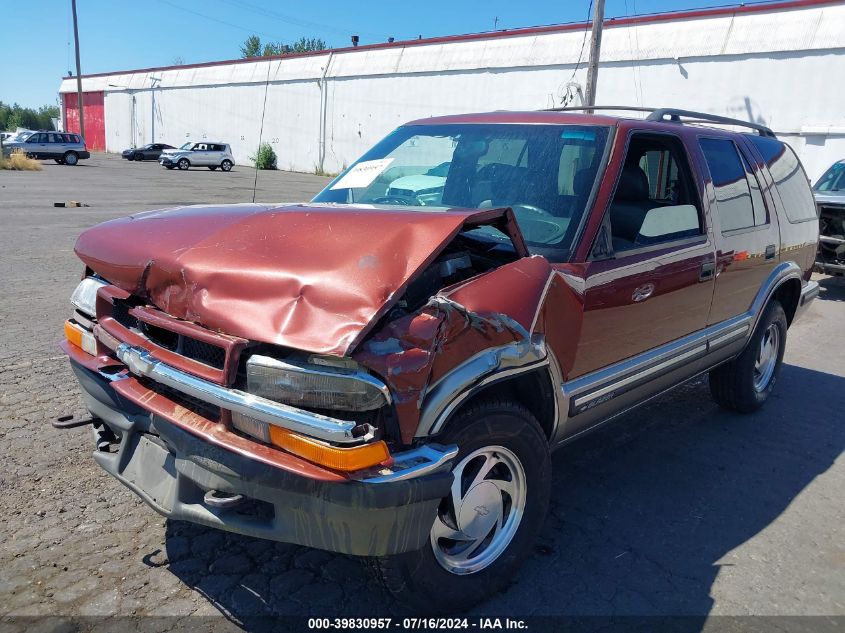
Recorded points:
202,154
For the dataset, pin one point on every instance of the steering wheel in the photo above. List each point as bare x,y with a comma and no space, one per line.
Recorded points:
405,201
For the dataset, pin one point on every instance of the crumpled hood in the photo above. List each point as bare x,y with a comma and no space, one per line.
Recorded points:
312,277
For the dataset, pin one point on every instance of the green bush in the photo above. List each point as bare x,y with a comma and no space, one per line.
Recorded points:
266,158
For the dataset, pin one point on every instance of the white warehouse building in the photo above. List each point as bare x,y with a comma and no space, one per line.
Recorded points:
780,64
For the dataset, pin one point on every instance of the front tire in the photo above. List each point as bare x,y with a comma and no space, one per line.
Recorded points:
745,383
184,164
70,158
488,524
139,157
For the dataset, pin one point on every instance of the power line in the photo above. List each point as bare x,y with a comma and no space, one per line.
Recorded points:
213,19
581,53
287,19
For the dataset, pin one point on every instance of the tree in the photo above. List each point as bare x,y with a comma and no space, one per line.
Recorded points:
308,44
15,116
275,48
251,46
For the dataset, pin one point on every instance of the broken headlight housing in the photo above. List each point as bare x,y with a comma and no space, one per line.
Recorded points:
320,382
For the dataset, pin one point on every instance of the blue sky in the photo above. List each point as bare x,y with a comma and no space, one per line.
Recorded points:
121,34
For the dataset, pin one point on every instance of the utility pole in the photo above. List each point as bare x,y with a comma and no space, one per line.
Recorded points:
78,72
595,52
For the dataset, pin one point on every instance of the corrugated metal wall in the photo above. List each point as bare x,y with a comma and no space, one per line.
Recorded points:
778,67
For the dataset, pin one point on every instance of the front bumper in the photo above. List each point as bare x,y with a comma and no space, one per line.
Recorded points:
172,470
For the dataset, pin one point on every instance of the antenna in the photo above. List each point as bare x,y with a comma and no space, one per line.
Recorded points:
261,129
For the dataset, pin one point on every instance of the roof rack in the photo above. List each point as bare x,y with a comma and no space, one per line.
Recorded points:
674,115
701,117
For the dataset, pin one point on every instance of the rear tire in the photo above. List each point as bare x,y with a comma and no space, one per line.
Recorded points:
139,157
497,516
70,158
184,164
745,383
213,167
226,165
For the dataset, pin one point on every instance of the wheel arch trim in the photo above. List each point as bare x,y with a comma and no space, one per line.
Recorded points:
443,399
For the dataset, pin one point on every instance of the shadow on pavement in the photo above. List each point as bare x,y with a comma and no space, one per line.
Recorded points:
832,289
643,513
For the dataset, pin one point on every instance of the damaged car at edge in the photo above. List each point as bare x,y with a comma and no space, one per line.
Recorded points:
384,371
830,198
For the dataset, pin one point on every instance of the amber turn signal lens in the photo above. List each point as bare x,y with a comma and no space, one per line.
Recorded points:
81,338
346,459
72,334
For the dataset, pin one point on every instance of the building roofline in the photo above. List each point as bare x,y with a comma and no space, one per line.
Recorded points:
669,16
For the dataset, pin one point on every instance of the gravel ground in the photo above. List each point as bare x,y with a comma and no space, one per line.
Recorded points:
676,509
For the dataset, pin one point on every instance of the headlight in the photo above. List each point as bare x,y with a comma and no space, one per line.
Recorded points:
84,298
321,386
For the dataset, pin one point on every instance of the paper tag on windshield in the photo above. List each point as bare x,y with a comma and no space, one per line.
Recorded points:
362,174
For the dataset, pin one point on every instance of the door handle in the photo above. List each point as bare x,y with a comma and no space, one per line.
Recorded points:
707,271
642,293
770,251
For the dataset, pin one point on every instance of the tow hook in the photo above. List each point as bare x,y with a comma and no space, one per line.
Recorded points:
70,422
222,500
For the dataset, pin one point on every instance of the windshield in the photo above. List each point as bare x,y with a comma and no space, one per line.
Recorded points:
545,173
833,179
187,145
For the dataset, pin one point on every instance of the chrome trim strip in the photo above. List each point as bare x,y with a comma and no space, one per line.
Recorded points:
724,338
141,363
639,375
580,392
417,462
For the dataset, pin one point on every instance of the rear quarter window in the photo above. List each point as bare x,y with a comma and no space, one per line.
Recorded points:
790,178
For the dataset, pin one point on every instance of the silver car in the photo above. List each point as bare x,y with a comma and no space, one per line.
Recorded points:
65,148
209,154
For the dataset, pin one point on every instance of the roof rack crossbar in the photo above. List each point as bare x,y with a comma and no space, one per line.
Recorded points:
675,114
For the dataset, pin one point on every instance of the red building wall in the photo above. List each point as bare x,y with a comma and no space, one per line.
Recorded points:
95,122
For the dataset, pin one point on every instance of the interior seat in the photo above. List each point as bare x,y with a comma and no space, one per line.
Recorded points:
630,203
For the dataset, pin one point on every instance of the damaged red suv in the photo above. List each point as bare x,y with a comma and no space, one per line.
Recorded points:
385,370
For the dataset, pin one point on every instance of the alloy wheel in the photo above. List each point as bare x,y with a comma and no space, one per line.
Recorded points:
483,511
767,357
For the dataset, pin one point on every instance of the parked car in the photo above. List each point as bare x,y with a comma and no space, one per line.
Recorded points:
830,199
64,147
7,136
202,154
150,151
372,375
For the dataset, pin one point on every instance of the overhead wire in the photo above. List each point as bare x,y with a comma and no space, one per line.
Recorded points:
566,101
213,19
287,19
261,129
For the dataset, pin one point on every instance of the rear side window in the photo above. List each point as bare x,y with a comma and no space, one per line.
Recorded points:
731,185
788,174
